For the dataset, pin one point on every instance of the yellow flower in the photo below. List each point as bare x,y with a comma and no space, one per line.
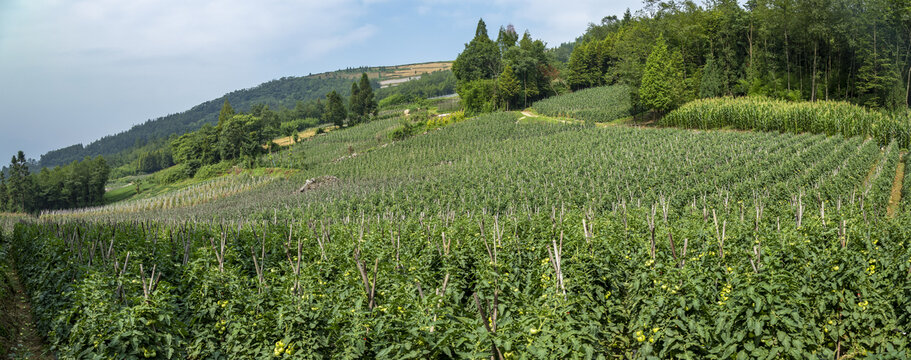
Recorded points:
835,268
640,337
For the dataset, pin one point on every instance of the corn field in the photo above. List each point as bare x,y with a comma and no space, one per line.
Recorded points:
821,117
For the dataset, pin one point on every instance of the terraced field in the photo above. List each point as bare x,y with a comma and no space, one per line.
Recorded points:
492,237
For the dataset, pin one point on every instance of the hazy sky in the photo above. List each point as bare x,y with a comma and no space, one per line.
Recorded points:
72,71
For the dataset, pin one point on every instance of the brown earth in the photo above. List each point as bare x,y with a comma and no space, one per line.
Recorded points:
23,340
896,196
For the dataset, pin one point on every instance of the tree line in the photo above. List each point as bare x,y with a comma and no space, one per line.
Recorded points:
242,136
675,51
503,74
78,184
284,93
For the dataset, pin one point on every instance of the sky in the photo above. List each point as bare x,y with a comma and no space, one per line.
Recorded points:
72,71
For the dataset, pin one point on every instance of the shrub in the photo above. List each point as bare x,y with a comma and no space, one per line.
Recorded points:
440,121
210,171
174,174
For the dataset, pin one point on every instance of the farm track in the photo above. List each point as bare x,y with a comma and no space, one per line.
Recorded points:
895,197
26,342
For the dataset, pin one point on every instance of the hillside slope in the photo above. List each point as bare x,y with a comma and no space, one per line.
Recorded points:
284,92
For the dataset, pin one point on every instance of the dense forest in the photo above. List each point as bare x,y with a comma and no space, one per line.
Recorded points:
672,52
852,50
78,184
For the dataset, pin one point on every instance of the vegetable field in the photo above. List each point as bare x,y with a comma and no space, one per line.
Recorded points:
600,104
486,238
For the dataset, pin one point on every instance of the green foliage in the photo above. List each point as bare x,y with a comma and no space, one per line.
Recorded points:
478,96
292,127
508,87
241,137
823,117
711,84
213,170
335,110
661,86
292,97
532,68
601,104
362,103
480,59
79,184
438,83
174,174
441,121
225,114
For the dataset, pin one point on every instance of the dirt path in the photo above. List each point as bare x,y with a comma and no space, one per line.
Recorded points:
895,198
26,343
529,114
868,180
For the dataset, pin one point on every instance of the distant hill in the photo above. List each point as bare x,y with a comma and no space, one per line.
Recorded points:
284,92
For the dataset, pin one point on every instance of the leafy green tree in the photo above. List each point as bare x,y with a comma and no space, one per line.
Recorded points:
335,109
532,68
231,139
3,194
478,96
507,38
508,87
711,83
21,187
660,81
368,98
480,59
196,149
356,106
226,113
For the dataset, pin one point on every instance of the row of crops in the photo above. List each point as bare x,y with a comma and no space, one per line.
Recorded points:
632,283
822,117
7,331
490,238
494,164
194,195
599,104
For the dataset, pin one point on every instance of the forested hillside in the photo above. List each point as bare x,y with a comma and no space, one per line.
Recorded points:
851,50
284,92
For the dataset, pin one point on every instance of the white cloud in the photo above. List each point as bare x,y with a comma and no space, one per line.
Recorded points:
110,30
75,70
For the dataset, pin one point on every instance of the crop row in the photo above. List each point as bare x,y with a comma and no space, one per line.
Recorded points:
559,283
495,164
822,117
187,197
599,104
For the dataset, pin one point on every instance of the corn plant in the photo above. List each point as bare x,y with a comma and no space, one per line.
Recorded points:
821,117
